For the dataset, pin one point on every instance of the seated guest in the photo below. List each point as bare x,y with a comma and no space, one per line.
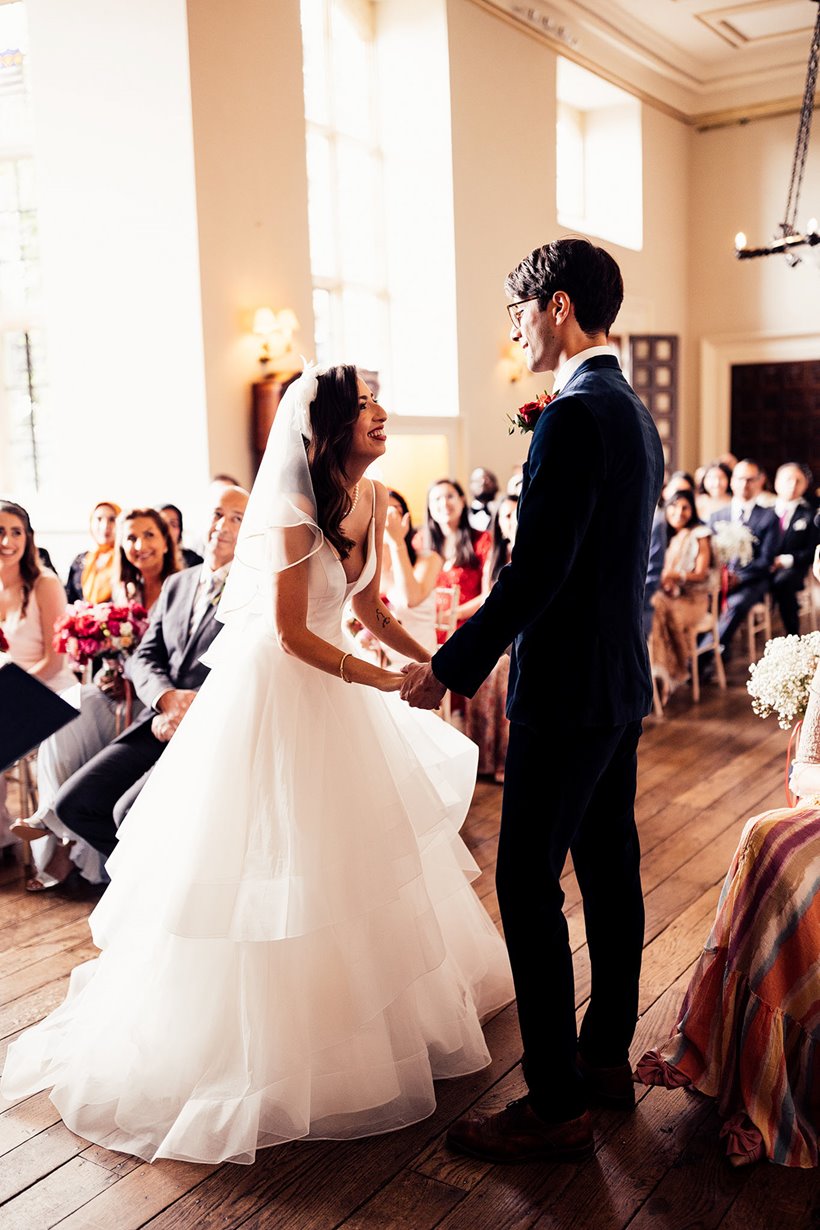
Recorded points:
463,549
682,597
654,567
487,723
714,491
748,1030
797,540
515,480
31,602
409,576
679,480
483,490
748,584
166,672
172,516
145,555
92,572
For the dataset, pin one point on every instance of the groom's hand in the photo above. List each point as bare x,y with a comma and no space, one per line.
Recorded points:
421,689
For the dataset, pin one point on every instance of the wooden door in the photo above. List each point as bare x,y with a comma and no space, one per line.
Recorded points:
776,414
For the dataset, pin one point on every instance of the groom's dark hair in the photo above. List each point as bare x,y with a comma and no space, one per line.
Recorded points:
589,275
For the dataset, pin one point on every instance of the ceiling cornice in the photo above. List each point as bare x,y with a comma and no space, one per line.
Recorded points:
677,90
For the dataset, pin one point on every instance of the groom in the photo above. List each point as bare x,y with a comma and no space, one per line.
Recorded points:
571,603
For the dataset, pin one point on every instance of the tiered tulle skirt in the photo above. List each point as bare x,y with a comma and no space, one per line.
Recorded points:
290,944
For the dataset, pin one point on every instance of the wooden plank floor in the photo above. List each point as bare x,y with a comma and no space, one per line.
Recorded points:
703,771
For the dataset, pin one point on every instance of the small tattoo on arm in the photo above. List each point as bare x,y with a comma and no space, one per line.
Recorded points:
383,619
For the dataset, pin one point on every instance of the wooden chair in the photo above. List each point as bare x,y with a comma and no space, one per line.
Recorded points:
709,623
23,774
808,604
759,620
447,600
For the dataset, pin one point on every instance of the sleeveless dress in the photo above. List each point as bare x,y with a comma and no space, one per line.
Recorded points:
290,944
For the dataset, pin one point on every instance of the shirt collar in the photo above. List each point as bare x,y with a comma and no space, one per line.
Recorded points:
205,573
786,506
568,369
743,506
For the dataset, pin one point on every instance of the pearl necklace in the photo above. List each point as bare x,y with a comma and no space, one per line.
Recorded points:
355,500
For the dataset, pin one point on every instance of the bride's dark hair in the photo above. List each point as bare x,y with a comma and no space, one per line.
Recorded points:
333,415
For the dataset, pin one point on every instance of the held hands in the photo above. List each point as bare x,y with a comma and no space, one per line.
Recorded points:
420,688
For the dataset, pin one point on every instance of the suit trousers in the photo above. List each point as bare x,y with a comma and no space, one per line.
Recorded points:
88,802
738,604
786,585
571,790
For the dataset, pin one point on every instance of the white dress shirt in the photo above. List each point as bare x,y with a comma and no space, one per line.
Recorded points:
571,366
742,510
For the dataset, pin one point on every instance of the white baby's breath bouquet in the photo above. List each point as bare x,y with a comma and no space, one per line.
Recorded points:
733,542
779,682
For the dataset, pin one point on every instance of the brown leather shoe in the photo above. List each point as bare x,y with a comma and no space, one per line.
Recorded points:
613,1087
517,1134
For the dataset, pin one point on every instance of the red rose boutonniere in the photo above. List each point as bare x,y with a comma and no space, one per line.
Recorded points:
4,645
528,415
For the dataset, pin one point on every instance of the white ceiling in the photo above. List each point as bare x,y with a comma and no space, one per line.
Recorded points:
696,56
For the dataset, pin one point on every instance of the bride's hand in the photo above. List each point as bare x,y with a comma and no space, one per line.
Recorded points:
391,682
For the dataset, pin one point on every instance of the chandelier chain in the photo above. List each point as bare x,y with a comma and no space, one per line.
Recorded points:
803,132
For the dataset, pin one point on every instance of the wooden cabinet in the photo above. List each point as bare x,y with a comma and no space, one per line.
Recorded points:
266,396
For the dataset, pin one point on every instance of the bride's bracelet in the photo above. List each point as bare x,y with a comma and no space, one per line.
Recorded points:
342,674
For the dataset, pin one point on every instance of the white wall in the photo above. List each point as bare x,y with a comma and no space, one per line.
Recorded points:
118,224
738,182
251,184
503,116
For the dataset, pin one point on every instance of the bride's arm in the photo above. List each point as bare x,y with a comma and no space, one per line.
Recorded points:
291,610
805,775
368,606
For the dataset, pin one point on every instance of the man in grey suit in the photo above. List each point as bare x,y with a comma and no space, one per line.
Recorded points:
166,672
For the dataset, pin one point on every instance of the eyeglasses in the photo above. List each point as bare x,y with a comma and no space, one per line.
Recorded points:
516,309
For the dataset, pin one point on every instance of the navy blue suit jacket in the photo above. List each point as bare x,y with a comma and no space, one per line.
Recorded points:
571,599
766,528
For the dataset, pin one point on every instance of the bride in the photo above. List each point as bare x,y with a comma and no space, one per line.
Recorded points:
290,944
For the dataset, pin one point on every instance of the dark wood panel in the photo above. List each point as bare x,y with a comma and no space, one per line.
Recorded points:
776,413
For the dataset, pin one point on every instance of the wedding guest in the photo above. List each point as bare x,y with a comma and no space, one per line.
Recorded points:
714,491
679,480
409,575
145,555
748,1029
798,537
682,597
747,584
172,516
487,723
654,567
166,672
463,549
91,574
483,491
31,601
515,480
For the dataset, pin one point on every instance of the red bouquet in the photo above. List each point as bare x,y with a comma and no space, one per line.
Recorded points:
103,630
528,415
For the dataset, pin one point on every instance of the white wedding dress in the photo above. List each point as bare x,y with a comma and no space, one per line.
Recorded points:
290,944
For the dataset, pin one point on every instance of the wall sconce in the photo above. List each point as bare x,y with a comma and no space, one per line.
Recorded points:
276,354
513,363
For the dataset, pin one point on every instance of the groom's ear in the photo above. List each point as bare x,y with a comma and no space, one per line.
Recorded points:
563,306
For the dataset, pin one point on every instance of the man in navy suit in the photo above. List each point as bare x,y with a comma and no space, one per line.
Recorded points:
166,673
796,543
747,584
571,602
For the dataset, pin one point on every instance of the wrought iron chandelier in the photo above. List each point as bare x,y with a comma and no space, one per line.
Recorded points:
789,237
